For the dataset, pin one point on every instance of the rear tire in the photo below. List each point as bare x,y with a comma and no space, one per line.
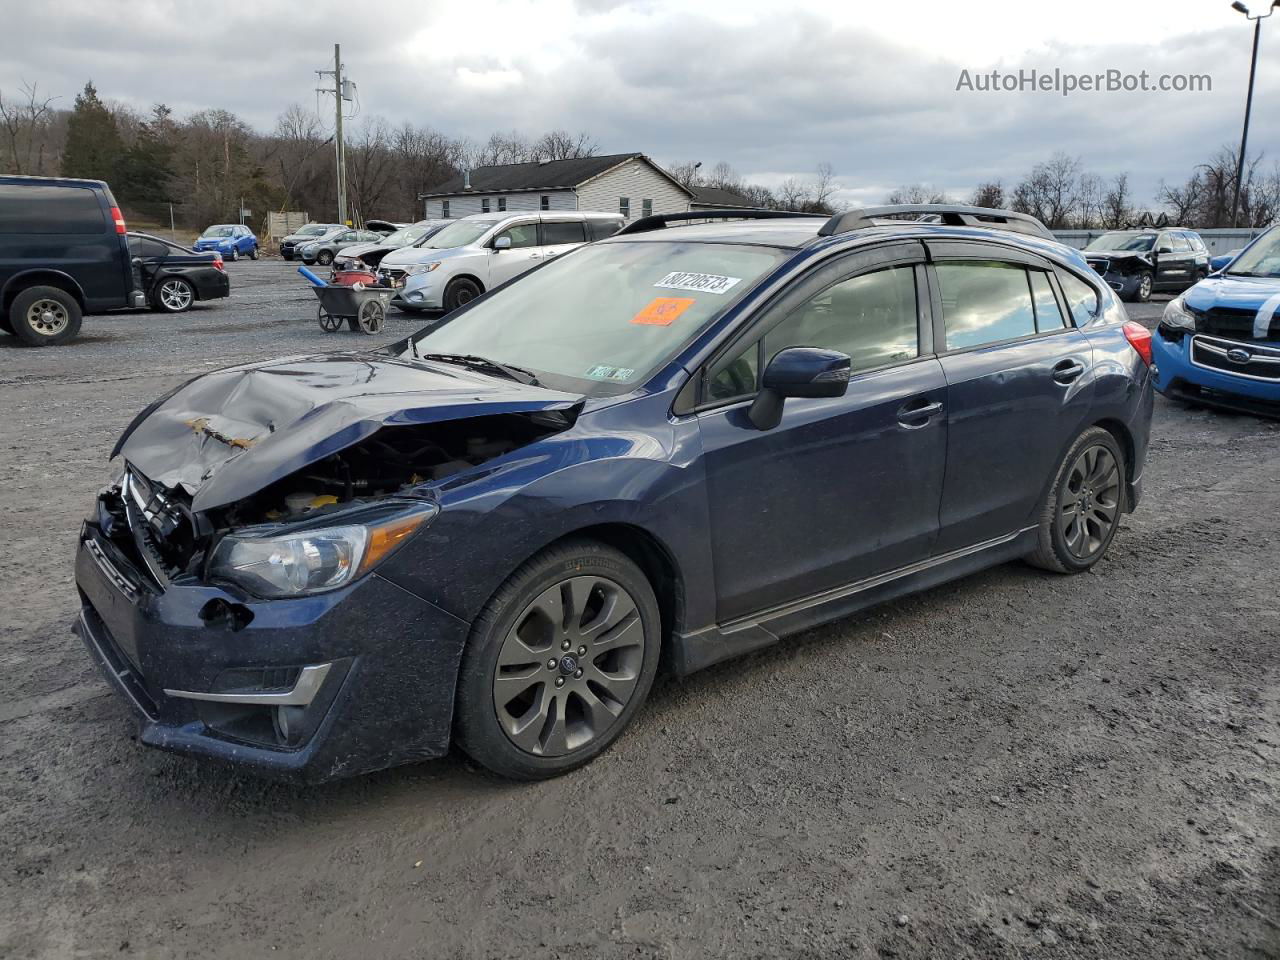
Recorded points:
44,316
173,295
1082,509
460,292
234,254
324,258
558,663
253,253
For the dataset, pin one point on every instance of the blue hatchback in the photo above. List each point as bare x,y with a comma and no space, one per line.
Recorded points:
232,240
673,446
1219,343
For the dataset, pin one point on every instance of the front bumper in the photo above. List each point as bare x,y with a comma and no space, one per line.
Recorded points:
1178,377
386,696
423,291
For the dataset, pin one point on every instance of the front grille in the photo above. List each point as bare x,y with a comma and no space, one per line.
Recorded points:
1236,325
1237,358
391,276
162,526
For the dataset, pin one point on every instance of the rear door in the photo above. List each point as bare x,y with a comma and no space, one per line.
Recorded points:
561,236
1019,384
843,488
1174,261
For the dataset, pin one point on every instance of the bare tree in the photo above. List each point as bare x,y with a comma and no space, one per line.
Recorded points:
988,194
1090,200
562,145
686,174
916,193
26,122
1050,191
1182,202
370,172
1117,204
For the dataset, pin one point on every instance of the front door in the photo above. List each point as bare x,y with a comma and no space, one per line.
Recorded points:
525,253
844,488
1019,379
1175,261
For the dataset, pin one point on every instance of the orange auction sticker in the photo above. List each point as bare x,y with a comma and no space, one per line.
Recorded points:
662,311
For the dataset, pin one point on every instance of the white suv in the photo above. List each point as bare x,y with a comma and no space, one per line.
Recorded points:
477,253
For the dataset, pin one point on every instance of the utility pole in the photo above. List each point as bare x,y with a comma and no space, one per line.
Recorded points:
339,147
1257,19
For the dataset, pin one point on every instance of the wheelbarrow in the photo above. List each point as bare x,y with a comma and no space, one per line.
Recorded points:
363,308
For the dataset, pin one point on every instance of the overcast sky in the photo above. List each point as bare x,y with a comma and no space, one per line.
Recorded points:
771,87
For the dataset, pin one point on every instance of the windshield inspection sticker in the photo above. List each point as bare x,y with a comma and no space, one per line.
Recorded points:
662,311
698,282
602,372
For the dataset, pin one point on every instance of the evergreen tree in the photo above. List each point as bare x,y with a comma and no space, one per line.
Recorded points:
93,147
147,167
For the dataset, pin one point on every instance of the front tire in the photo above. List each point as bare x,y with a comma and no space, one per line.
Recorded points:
1142,292
460,292
324,258
1082,509
44,316
253,253
558,662
235,253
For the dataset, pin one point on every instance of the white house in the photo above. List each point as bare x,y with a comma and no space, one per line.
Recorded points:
627,183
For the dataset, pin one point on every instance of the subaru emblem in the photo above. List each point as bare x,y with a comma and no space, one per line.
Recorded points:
1239,355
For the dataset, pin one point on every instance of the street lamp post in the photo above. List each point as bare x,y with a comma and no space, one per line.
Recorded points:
1248,103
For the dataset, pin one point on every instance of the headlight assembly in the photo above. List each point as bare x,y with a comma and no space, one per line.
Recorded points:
414,269
271,563
1177,317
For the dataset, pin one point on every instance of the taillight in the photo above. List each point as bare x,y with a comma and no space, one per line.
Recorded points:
217,262
1139,338
118,217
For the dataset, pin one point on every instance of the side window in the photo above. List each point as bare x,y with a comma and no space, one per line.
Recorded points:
1048,313
624,206
142,247
1180,243
871,317
1163,242
605,228
1197,244
984,302
1082,299
50,210
522,235
562,231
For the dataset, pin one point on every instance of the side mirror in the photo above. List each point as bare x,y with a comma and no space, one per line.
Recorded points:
502,243
799,372
1164,248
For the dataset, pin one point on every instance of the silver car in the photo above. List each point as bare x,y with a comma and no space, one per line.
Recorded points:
479,252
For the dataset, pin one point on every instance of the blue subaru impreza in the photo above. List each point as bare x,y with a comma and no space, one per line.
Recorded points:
673,446
1219,343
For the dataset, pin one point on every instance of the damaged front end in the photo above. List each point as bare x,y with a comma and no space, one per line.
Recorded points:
1122,271
229,581
351,441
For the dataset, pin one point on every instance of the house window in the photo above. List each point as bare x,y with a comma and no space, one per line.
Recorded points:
502,204
444,209
546,202
624,206
646,208
484,205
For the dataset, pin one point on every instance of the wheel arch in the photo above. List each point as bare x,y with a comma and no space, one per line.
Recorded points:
1125,439
466,276
40,277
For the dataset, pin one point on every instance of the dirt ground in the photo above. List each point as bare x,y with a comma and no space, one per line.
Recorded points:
1014,764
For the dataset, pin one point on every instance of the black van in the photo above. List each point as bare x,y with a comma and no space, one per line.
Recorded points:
63,253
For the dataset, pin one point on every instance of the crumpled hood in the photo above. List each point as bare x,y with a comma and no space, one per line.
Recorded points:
359,249
1118,256
228,434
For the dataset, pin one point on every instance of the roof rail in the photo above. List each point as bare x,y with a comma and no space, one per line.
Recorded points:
950,214
659,221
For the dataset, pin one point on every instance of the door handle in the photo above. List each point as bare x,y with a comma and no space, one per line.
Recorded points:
1067,371
916,413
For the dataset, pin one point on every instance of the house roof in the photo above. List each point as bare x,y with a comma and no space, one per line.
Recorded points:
718,197
537,175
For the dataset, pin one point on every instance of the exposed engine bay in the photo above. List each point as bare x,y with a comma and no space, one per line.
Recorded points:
157,525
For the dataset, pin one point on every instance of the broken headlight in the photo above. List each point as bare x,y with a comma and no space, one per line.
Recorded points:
313,559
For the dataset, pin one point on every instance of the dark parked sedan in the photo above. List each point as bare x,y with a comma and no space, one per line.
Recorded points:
174,277
678,444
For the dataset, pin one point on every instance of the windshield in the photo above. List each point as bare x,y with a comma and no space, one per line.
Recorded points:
459,234
1132,242
404,237
604,317
218,232
1260,260
314,230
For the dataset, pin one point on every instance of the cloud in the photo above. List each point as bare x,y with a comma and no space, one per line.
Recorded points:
771,91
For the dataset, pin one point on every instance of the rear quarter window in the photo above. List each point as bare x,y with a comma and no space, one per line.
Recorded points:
1082,299
50,210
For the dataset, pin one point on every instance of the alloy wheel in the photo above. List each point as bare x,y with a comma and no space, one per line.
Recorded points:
1090,502
1144,286
175,295
569,666
47,317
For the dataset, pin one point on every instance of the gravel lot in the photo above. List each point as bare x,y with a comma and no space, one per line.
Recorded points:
1015,763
